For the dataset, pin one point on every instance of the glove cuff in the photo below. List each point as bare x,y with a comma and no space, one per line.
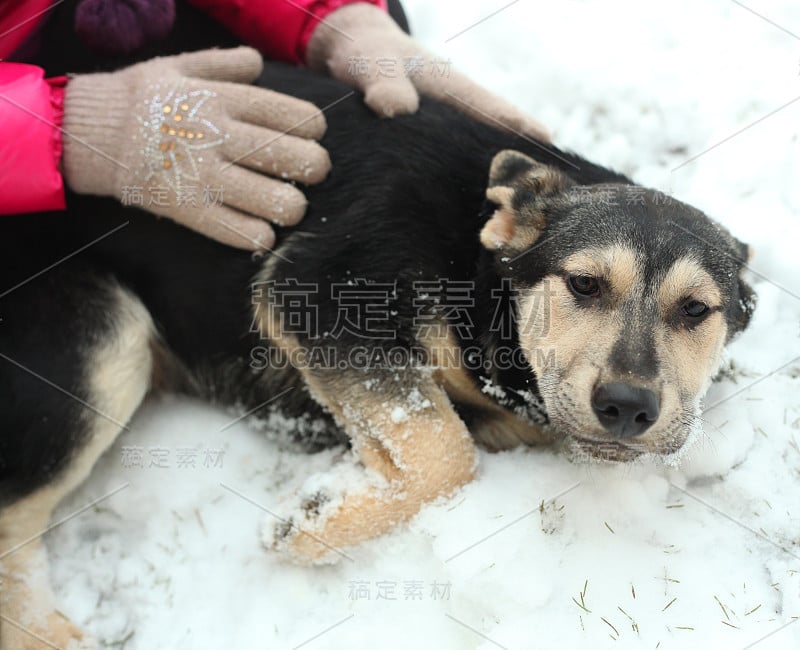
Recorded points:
96,110
344,25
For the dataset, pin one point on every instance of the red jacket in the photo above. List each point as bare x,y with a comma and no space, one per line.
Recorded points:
31,107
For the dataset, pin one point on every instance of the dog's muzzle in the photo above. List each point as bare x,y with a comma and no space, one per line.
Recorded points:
625,410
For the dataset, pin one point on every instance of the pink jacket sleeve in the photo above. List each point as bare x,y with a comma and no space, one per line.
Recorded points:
31,112
279,29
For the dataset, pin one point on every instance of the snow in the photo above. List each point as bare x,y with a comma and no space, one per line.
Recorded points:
538,552
398,415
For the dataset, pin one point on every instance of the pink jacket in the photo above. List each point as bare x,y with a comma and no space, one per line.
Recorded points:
31,107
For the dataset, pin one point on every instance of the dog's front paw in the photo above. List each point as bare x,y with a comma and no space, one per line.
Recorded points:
299,536
333,510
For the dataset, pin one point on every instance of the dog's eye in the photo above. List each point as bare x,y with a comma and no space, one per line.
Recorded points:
584,285
694,309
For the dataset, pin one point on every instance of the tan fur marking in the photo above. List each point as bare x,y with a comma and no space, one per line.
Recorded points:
551,322
693,355
423,452
121,376
616,264
499,230
503,196
507,227
406,431
366,418
687,278
493,426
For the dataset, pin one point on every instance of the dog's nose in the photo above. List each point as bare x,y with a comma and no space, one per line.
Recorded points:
625,410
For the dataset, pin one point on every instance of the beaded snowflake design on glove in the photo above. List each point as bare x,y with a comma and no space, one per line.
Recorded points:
175,134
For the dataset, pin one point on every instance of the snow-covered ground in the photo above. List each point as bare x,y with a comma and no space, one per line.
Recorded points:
705,556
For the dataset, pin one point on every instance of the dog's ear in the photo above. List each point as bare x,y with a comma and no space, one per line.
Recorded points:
744,299
517,184
744,251
743,307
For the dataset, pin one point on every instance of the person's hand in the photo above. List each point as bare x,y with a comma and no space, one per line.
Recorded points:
184,137
360,44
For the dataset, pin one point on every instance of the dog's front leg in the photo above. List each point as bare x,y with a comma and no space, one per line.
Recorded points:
406,434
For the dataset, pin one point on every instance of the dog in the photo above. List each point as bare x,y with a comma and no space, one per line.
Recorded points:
453,284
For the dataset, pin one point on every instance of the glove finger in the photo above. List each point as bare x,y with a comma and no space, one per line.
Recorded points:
385,95
278,201
276,154
274,110
391,96
240,64
231,227
468,97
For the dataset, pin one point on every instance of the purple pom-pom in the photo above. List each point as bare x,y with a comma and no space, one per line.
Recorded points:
119,27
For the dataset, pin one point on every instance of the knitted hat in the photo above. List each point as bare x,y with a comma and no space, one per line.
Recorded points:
118,27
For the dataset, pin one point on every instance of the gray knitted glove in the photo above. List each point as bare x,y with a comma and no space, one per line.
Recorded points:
184,137
361,44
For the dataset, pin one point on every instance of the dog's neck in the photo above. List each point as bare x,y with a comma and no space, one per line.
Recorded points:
503,373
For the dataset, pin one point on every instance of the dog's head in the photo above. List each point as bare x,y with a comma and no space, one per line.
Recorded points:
626,298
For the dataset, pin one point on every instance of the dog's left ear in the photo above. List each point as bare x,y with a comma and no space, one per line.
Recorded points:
517,185
744,300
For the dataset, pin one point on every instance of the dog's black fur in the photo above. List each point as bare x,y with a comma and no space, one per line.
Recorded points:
403,202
